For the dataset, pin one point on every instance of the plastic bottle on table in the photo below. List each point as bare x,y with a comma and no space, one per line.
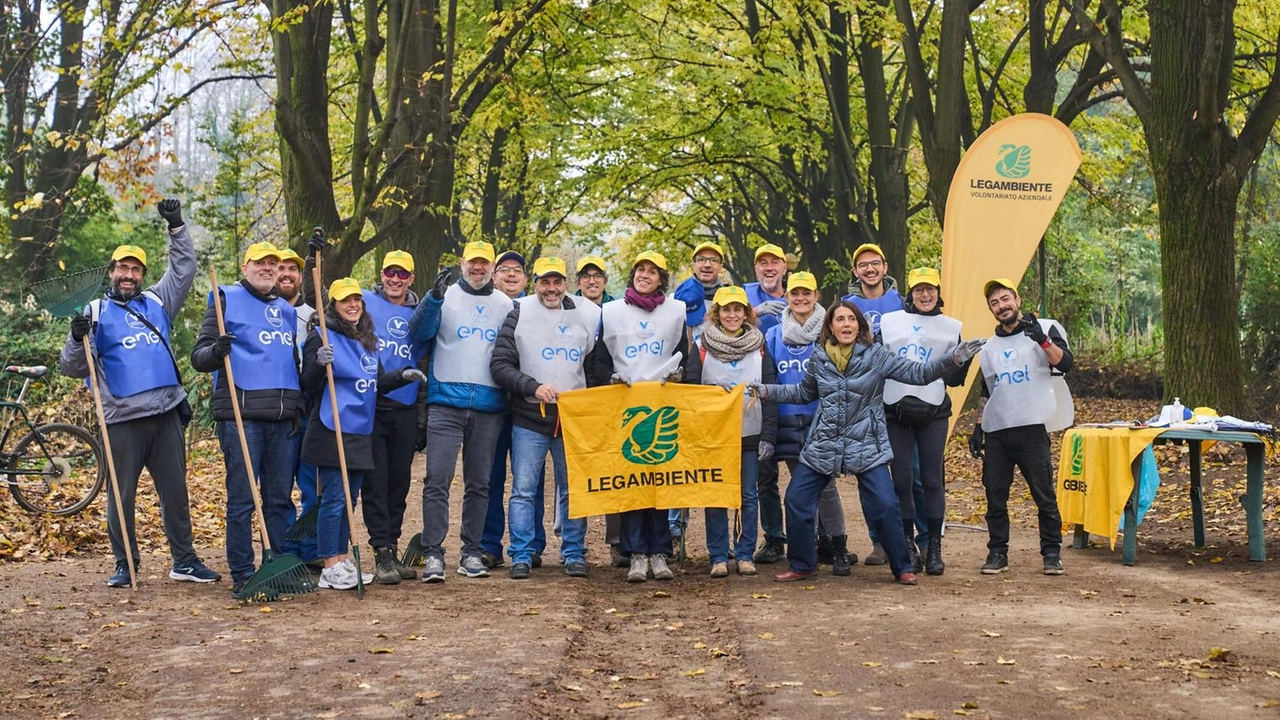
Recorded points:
1179,412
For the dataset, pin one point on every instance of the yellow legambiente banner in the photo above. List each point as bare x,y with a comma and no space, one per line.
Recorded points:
652,446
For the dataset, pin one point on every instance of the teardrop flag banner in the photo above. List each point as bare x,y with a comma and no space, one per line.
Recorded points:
652,446
1003,196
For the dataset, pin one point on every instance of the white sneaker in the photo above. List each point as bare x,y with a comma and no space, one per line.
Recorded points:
338,577
366,577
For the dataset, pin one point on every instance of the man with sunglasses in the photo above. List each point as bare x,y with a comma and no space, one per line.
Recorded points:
400,419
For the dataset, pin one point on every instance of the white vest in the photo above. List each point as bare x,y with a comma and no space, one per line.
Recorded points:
641,342
553,344
305,313
742,372
468,326
1017,374
920,338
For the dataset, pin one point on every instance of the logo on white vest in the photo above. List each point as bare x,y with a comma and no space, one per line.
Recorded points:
1008,357
645,329
481,313
272,314
369,363
398,327
563,334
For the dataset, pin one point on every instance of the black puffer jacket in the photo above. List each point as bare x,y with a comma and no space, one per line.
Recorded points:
504,366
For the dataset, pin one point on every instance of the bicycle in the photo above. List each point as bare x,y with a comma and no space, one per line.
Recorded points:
55,468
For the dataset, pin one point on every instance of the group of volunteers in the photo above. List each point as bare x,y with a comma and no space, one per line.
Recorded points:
855,388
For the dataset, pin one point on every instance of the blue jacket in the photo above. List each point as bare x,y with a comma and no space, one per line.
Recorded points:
424,325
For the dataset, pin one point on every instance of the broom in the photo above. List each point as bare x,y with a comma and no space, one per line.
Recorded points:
337,434
111,465
279,574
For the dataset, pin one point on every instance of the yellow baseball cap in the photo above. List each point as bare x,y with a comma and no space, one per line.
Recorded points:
650,256
288,255
477,249
130,251
258,251
398,258
864,247
731,294
549,266
714,247
770,249
343,288
993,283
802,279
926,275
590,260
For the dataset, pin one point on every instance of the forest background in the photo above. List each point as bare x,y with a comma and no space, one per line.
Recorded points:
574,127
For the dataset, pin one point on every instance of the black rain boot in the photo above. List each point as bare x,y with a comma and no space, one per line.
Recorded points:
825,553
840,555
913,550
933,561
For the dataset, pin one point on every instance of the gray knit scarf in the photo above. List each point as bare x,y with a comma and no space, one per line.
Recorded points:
725,348
793,333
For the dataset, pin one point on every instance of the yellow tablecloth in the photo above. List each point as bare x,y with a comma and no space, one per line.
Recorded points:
1095,476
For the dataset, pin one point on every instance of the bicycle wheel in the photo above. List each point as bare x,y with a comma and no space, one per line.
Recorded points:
56,469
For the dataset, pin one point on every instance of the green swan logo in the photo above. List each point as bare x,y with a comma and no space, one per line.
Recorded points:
1077,456
652,435
1014,161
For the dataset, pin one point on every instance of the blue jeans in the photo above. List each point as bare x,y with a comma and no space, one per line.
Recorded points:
917,495
879,507
333,534
271,451
529,450
744,540
307,478
495,521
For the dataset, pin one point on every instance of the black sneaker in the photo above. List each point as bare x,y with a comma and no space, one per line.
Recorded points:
491,561
119,578
537,560
616,558
996,563
237,588
1053,565
575,568
519,571
194,571
771,553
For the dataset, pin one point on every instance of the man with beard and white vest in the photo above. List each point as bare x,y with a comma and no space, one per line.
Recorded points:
400,420
261,341
142,395
540,353
1017,365
464,405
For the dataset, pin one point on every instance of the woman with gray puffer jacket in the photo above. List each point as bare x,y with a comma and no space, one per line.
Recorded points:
846,375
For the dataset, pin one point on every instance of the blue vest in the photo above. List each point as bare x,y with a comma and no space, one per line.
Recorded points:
791,362
873,309
355,377
758,297
134,359
396,349
262,356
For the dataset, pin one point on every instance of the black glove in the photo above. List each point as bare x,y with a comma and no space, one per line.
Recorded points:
1032,329
977,441
316,242
442,283
222,346
171,210
421,444
80,326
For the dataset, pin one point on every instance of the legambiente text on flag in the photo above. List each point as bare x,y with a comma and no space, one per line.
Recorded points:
652,446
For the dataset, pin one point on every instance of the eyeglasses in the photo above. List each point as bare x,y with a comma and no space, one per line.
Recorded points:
707,260
396,273
592,275
510,270
869,264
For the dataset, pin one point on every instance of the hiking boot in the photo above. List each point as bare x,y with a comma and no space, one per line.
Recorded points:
719,570
384,566
338,577
824,550
433,569
518,571
997,562
119,578
933,559
658,564
877,556
840,556
402,568
1053,565
746,568
616,558
537,560
913,553
491,561
639,571
472,567
194,571
772,552
576,568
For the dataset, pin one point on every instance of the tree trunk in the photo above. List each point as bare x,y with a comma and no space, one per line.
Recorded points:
888,161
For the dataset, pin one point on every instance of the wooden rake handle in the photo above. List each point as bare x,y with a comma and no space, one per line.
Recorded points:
111,463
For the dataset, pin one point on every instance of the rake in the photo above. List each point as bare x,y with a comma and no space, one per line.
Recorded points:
304,528
63,296
415,555
279,574
316,278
